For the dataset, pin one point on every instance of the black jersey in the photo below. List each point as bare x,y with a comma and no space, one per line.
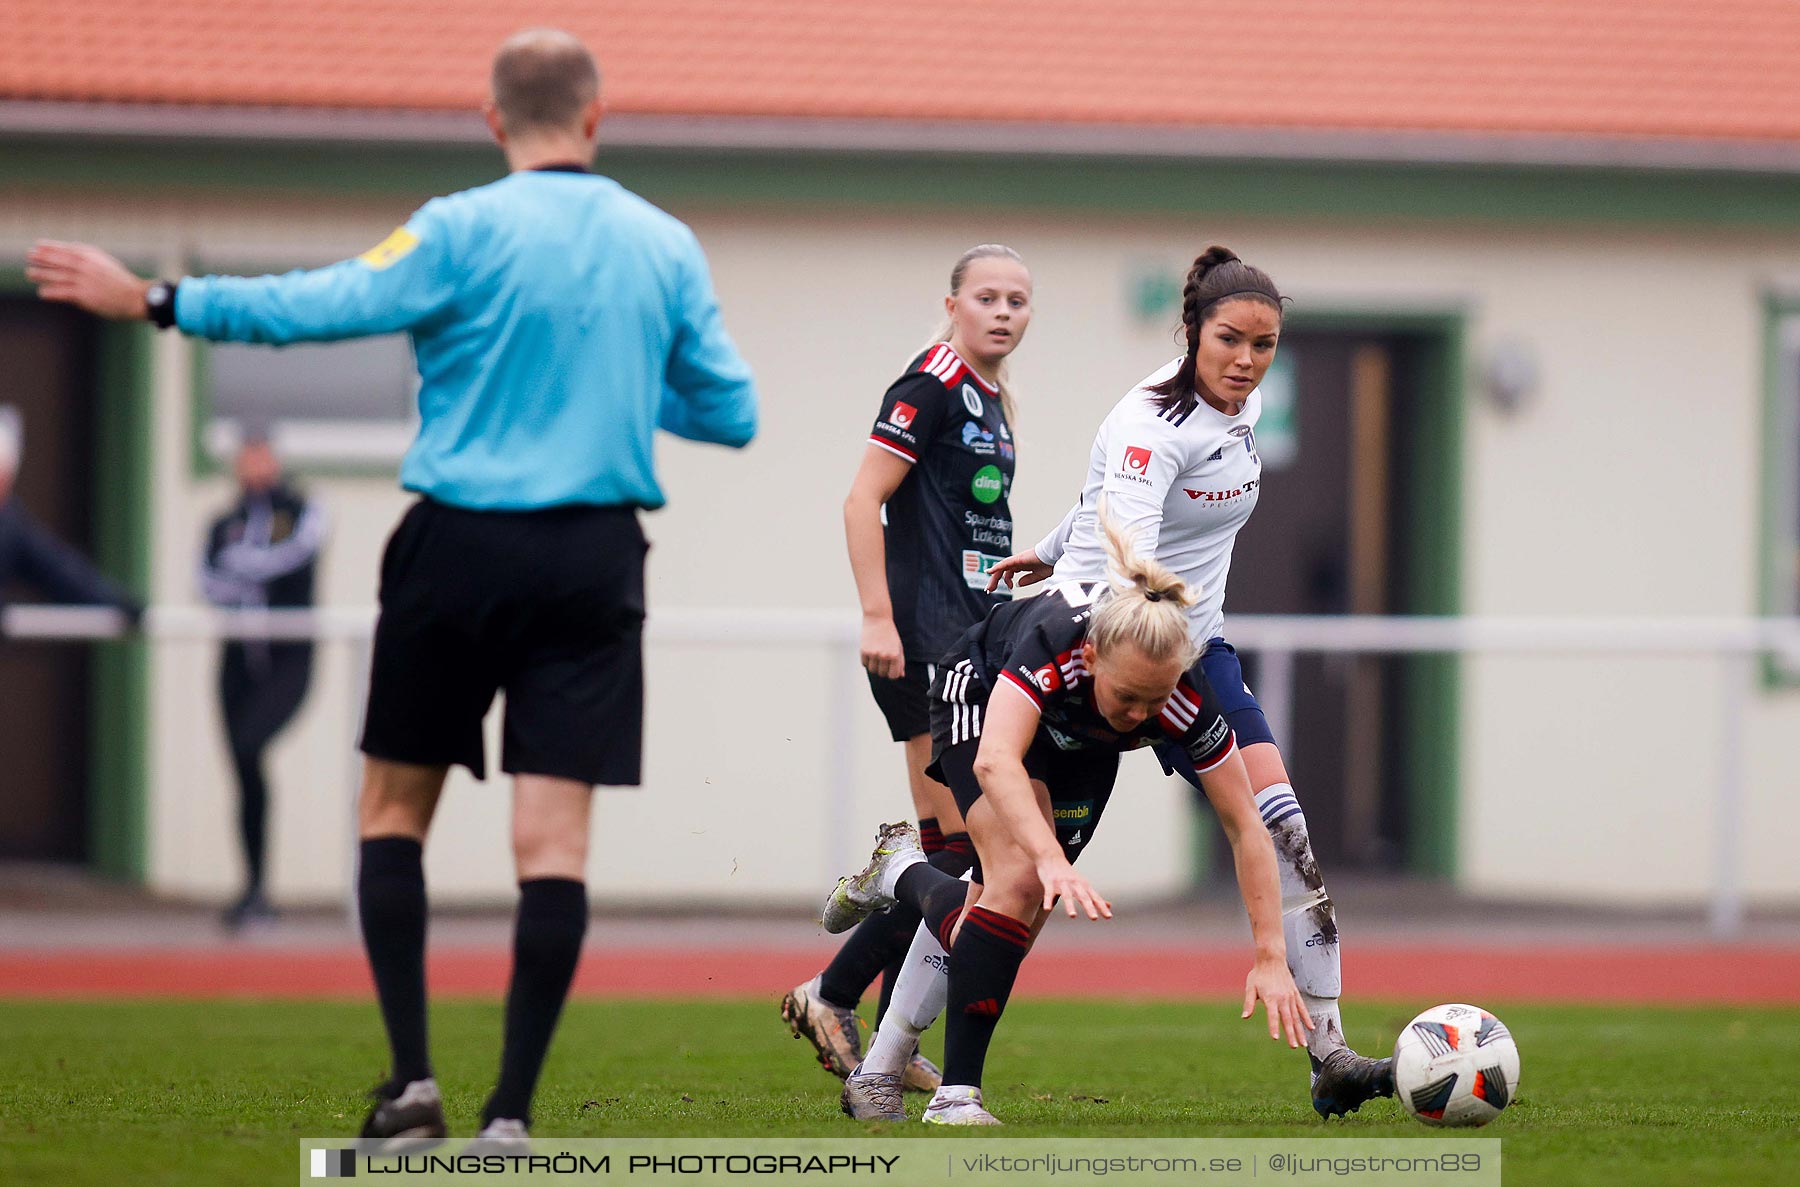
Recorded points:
948,522
1034,644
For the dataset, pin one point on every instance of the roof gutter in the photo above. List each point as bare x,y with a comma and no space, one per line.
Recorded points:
819,135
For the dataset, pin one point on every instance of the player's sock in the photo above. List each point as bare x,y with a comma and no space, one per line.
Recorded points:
552,921
936,896
390,900
931,840
1308,918
958,855
955,855
918,999
983,966
870,947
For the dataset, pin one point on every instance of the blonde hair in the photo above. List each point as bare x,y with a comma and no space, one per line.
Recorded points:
1145,606
981,251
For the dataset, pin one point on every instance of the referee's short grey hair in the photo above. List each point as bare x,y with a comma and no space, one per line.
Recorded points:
543,79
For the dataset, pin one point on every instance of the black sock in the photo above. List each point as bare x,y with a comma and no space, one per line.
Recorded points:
552,920
937,897
983,967
957,857
931,837
877,942
390,899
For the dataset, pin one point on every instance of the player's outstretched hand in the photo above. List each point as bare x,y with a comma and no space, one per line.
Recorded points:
1271,981
1059,878
83,275
1021,568
881,652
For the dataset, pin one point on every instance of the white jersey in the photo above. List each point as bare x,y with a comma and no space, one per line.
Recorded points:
1179,484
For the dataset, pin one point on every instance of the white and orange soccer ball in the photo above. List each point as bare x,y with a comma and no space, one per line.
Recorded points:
1455,1065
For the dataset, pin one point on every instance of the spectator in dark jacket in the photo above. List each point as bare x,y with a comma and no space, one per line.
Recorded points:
261,554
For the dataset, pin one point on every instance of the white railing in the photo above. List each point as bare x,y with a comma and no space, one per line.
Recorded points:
1737,643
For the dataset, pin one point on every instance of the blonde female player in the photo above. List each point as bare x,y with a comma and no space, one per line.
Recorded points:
1176,462
939,462
1029,715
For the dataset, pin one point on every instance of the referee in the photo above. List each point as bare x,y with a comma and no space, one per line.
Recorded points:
557,321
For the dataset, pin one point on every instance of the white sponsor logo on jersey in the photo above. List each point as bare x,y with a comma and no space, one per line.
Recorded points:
971,400
975,566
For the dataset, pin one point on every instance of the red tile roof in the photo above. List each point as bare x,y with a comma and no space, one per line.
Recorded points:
1712,69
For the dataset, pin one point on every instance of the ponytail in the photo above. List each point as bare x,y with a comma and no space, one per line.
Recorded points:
1146,605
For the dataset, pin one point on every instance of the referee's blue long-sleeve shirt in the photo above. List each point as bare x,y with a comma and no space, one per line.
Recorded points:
557,320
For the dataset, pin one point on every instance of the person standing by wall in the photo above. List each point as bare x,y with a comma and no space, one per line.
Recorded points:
262,554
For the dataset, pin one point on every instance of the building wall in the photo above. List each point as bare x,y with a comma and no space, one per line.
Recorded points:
1627,486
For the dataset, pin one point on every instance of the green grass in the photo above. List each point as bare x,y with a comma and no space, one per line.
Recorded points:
180,1093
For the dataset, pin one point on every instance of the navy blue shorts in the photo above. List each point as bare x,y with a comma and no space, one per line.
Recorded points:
1226,675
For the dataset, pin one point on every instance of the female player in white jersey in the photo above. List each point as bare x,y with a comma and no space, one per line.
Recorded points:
939,463
1030,712
1176,462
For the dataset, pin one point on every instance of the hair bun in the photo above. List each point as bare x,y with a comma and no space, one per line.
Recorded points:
1213,256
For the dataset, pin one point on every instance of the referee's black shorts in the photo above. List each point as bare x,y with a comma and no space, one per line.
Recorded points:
547,606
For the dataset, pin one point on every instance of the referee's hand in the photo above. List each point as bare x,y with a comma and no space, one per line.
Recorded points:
882,654
85,276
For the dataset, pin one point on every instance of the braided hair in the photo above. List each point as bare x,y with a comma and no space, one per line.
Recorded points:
1217,274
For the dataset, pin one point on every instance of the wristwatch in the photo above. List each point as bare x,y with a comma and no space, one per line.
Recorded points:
159,301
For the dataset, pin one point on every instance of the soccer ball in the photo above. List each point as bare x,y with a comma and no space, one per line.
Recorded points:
1455,1065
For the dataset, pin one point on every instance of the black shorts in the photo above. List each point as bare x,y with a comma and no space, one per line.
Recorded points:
547,606
903,702
1080,783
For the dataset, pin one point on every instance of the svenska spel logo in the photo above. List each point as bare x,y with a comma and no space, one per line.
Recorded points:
1137,458
903,415
333,1164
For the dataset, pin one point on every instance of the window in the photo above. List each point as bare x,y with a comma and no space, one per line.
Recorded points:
1781,501
348,403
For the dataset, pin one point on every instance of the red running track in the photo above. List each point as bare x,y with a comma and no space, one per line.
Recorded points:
1723,974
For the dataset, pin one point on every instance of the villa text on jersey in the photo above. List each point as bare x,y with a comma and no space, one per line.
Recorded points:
1181,484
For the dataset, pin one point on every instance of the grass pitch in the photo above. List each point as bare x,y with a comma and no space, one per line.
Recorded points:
185,1093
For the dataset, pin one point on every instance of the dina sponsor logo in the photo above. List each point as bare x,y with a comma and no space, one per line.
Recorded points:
988,484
